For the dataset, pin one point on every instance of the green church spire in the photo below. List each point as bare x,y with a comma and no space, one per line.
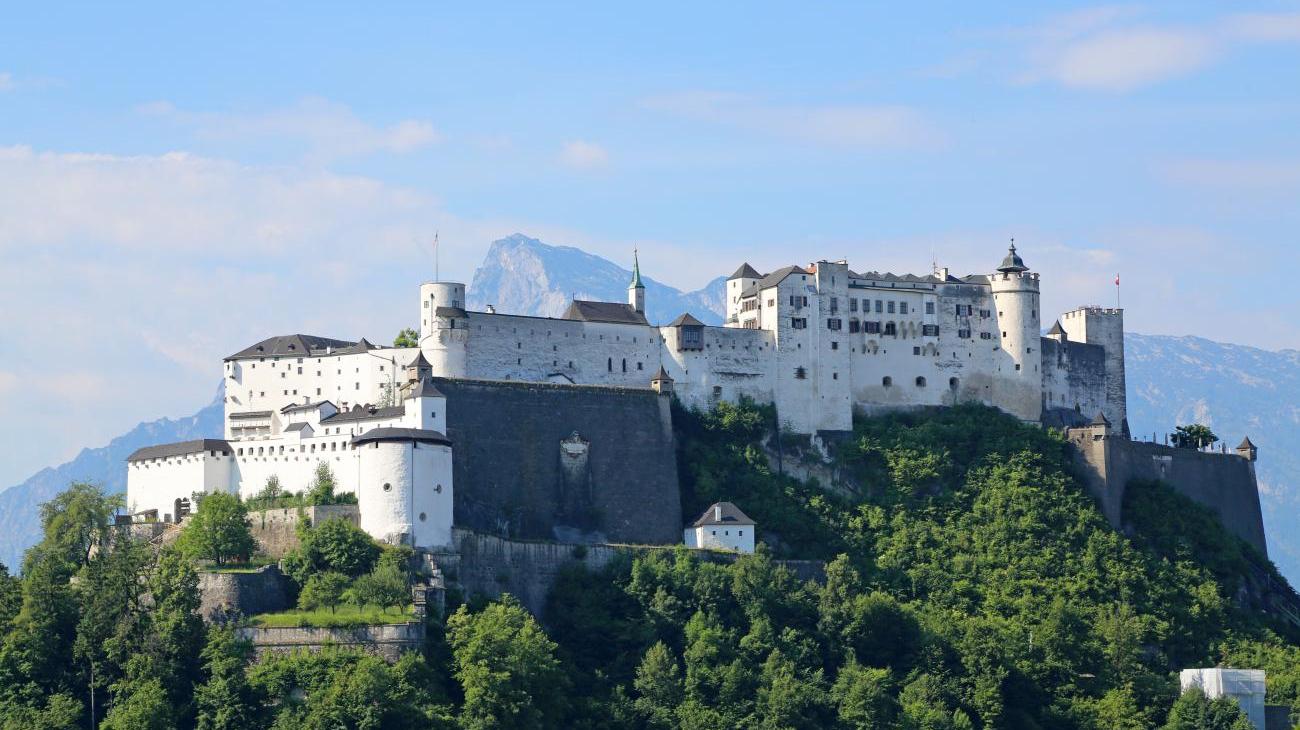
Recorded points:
636,273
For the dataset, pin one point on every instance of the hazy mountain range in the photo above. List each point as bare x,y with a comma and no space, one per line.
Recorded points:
1236,390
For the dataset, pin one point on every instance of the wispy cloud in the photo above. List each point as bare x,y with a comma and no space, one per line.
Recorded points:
583,155
1241,175
6,81
848,125
1111,49
329,130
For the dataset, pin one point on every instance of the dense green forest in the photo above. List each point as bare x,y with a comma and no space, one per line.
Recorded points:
970,582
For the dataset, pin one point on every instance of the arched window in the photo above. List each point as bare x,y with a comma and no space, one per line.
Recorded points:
920,381
609,364
886,381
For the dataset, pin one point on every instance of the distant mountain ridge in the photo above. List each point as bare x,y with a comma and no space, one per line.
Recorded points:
1237,390
522,275
20,505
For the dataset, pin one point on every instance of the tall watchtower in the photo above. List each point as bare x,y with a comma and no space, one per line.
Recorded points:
737,283
1104,326
1015,295
444,325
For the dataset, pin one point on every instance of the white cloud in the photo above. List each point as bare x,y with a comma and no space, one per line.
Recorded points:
328,129
851,125
583,155
1103,49
1127,59
1250,175
1265,27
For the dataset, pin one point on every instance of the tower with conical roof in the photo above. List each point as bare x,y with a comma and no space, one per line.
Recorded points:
1019,377
636,290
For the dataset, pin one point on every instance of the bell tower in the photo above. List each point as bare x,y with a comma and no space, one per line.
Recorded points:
636,290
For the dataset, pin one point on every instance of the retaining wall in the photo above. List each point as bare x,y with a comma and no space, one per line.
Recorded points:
227,595
276,530
388,641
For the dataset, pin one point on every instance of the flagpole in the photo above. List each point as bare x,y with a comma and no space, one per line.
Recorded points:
437,271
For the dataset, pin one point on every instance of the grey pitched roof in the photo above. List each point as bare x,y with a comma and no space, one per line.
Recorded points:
772,279
1056,330
426,436
731,515
363,346
425,389
686,320
661,374
291,345
181,448
1100,419
1245,444
419,362
300,426
745,272
1012,263
585,311
449,312
294,408
250,414
365,413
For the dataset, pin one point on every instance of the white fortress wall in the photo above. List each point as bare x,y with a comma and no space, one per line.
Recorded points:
157,483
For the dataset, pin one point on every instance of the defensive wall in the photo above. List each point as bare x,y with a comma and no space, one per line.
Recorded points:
387,641
579,464
276,530
228,595
489,566
1225,483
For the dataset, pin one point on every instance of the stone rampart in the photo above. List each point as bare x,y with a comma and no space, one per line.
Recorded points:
276,530
488,566
388,641
537,461
227,595
1225,483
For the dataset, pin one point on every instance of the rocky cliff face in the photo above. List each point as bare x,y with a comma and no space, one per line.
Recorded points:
522,275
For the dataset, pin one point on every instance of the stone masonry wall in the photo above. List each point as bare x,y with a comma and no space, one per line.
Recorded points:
488,566
388,641
1225,483
276,530
508,473
226,595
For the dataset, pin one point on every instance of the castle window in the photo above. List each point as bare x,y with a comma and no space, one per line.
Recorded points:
929,330
640,366
717,391
891,306
1017,366
833,325
835,376
902,307
871,328
916,351
986,335
423,517
963,334
891,329
800,373
1004,333
929,307
835,345
984,313
625,364
387,487
798,323
920,381
835,304
879,306
855,325
853,304
609,364
953,383
886,381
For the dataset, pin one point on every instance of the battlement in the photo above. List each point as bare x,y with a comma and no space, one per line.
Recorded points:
1094,309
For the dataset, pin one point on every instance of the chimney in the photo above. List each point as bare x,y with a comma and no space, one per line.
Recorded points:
491,309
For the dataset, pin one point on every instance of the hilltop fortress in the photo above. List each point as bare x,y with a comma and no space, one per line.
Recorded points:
559,428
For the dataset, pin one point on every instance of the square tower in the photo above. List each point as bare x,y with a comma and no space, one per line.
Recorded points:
1104,326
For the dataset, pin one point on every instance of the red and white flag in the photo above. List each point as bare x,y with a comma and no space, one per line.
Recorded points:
1117,280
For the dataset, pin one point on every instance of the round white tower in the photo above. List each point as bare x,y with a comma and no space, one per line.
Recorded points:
444,327
404,490
1015,296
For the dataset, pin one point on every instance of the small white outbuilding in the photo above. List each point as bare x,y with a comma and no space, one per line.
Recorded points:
1246,686
721,527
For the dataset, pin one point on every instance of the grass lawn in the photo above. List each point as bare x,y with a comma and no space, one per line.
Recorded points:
345,616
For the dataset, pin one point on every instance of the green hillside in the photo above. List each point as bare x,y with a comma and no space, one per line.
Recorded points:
970,583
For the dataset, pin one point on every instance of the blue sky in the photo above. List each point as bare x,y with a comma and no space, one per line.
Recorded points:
176,183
